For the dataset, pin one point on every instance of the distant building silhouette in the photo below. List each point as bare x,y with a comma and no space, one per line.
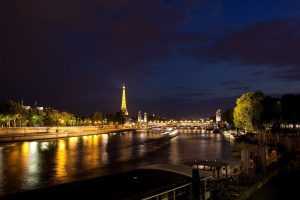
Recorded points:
139,117
218,116
145,117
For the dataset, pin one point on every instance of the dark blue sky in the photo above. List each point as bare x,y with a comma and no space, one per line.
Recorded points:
177,58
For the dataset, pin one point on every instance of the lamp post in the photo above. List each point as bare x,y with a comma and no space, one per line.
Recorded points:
57,125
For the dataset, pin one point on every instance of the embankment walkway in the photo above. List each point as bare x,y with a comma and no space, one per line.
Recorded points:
13,134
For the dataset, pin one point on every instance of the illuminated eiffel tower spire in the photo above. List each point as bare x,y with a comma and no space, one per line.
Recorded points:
123,106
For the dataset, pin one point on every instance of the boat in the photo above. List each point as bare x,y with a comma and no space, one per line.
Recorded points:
155,129
170,132
229,134
216,130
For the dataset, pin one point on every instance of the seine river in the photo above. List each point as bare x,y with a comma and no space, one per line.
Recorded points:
34,164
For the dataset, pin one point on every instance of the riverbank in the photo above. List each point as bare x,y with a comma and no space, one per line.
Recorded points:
280,179
13,134
283,185
248,192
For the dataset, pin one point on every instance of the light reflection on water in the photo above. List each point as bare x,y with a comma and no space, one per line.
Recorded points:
27,165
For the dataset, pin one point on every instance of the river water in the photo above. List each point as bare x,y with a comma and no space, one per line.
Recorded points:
34,164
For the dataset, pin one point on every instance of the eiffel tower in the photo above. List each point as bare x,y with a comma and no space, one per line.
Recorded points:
123,106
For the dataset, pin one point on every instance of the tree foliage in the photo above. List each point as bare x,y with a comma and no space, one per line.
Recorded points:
58,118
118,117
289,107
227,116
271,110
14,114
35,117
13,111
248,111
96,116
254,111
52,117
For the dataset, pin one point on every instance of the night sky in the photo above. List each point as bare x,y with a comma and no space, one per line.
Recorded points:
177,58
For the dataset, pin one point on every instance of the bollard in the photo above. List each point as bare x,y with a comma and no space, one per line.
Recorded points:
195,183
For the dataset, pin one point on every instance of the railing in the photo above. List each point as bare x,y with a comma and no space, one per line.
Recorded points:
166,193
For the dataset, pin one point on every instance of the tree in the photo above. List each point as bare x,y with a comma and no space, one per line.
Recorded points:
36,117
13,110
227,116
271,111
290,108
120,117
52,117
3,120
66,118
96,116
248,111
110,118
116,118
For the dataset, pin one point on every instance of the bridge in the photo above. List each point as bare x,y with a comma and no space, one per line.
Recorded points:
183,124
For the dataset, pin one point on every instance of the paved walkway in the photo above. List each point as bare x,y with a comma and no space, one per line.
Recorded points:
43,136
283,186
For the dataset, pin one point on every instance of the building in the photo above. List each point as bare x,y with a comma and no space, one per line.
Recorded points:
218,116
145,118
26,107
142,122
139,117
123,105
35,106
40,108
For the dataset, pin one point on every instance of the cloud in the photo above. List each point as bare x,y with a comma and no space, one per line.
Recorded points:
193,94
243,88
235,85
184,91
65,41
61,52
257,73
178,106
79,51
124,37
229,82
292,74
272,44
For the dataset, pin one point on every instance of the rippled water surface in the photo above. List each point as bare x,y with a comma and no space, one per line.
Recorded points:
33,164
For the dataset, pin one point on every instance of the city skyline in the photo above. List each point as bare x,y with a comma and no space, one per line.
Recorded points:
177,59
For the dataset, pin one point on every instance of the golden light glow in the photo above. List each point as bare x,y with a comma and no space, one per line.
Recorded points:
61,170
25,150
123,106
73,143
104,141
